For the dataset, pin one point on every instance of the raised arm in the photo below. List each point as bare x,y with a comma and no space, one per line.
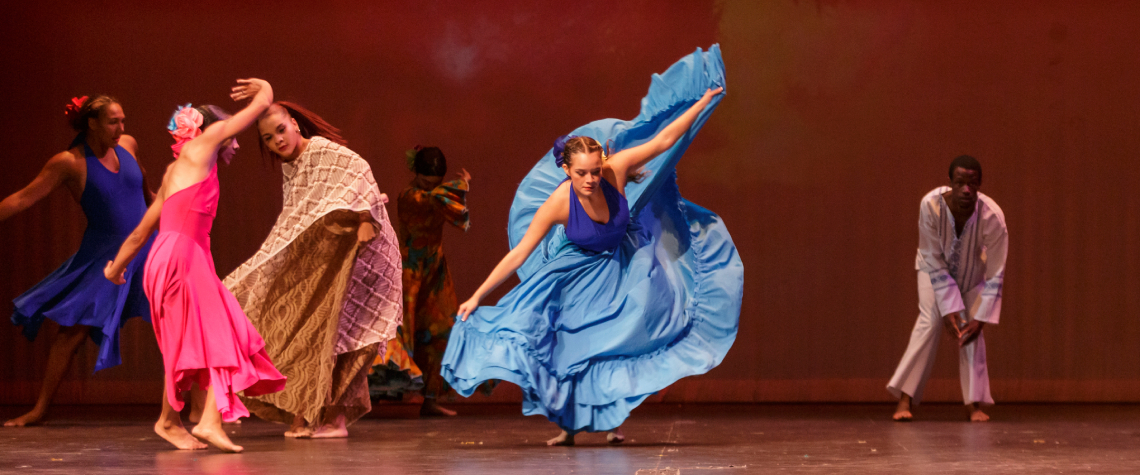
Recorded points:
451,198
553,211
633,158
54,174
260,96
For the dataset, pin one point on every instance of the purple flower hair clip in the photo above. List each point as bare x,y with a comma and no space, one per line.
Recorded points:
559,146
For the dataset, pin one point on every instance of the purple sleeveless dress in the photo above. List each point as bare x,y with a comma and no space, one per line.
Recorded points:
589,234
606,314
77,293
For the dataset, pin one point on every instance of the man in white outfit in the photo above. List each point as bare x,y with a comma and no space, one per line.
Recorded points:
962,243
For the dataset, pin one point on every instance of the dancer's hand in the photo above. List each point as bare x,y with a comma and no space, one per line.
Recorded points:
110,274
384,198
247,88
466,308
366,232
709,93
463,175
970,332
954,324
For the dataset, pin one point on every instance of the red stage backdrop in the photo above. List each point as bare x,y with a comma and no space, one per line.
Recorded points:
839,117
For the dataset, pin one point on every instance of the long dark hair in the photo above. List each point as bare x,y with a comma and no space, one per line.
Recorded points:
308,122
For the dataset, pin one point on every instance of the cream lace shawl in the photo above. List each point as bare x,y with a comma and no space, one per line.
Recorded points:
327,177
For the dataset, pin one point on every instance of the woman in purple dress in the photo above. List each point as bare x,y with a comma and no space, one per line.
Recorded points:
624,286
101,173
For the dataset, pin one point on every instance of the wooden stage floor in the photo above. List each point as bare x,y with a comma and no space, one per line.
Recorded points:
661,439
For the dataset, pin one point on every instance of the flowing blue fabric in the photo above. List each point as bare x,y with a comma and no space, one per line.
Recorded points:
77,293
589,335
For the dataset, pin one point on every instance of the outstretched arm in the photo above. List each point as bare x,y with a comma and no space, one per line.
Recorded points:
545,218
54,173
115,269
451,200
633,158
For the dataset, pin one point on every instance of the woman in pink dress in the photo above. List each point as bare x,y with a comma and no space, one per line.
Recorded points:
201,330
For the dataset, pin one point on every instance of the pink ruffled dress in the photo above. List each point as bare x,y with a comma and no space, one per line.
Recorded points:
202,332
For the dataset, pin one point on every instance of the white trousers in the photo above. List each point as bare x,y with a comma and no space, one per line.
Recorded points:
914,369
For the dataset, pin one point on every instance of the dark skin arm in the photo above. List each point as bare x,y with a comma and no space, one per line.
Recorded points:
965,333
148,195
953,324
970,332
60,170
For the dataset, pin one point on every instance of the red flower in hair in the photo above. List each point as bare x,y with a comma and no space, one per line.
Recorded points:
76,104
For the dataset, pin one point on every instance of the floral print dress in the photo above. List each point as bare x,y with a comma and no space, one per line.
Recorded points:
412,359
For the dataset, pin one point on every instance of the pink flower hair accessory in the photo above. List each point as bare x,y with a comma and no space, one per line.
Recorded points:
184,125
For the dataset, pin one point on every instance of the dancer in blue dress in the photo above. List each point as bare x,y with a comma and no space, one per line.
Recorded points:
102,174
625,286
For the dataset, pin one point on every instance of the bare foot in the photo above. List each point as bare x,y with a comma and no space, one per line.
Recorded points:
615,436
33,417
432,408
902,411
217,438
331,431
335,425
299,432
299,429
564,439
976,414
178,436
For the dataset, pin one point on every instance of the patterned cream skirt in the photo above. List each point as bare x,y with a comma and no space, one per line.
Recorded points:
299,318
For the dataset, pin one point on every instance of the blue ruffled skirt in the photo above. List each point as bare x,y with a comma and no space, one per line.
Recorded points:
77,293
588,336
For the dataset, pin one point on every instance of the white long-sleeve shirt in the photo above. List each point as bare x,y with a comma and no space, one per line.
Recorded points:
972,264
